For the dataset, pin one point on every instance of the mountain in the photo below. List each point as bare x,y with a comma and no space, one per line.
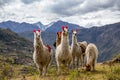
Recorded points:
40,25
18,27
107,38
56,26
12,45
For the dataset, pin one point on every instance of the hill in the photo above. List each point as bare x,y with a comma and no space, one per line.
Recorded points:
12,45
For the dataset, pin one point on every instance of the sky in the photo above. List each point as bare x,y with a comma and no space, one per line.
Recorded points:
85,13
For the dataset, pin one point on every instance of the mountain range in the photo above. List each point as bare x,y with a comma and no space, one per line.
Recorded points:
106,37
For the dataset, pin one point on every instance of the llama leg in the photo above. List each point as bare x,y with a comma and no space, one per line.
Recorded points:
77,62
58,67
40,71
73,62
69,64
45,70
82,61
93,65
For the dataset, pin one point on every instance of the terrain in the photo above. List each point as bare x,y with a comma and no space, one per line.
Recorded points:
16,47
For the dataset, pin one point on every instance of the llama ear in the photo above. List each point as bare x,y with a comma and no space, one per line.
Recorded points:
33,31
76,30
66,27
60,32
38,30
63,27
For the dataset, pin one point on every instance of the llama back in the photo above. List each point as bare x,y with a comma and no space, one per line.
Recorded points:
91,52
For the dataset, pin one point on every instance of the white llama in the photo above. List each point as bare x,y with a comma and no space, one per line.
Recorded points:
42,55
63,55
91,56
83,46
75,50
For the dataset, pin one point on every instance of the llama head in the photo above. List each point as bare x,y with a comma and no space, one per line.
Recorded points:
65,30
74,32
37,34
58,39
58,36
88,67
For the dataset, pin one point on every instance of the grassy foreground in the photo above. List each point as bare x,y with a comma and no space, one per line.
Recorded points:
103,72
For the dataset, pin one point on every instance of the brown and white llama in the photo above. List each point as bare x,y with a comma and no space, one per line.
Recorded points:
58,39
91,56
83,46
75,50
42,55
63,55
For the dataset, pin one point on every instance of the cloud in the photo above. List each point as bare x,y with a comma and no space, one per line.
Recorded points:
83,12
3,2
71,7
29,1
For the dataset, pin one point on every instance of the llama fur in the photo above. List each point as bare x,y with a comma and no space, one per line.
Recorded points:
75,50
58,39
42,55
83,46
63,55
91,56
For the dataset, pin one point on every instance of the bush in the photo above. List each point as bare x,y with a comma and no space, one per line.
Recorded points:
29,70
6,71
113,73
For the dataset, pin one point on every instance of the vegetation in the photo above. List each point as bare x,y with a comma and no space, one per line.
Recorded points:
11,71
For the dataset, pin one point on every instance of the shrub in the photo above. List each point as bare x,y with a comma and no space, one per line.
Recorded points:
29,70
113,73
6,71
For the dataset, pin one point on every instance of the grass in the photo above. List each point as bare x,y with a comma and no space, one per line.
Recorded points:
10,71
103,72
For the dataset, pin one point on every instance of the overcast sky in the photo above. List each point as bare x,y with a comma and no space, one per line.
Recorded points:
86,13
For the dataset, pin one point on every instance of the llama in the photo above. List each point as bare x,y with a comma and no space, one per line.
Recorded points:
83,46
75,50
63,55
91,56
42,55
58,39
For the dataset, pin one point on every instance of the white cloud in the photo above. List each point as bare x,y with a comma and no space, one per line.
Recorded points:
83,12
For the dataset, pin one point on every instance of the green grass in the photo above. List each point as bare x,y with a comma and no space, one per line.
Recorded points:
24,72
103,72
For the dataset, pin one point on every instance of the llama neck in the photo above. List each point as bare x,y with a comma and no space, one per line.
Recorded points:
89,60
58,40
65,42
74,40
38,44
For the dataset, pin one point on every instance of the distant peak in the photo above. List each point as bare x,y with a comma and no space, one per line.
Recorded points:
39,23
60,21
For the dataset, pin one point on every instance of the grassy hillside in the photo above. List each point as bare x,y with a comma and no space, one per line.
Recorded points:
12,45
109,70
103,72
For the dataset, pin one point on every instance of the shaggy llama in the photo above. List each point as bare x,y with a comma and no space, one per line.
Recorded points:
42,55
